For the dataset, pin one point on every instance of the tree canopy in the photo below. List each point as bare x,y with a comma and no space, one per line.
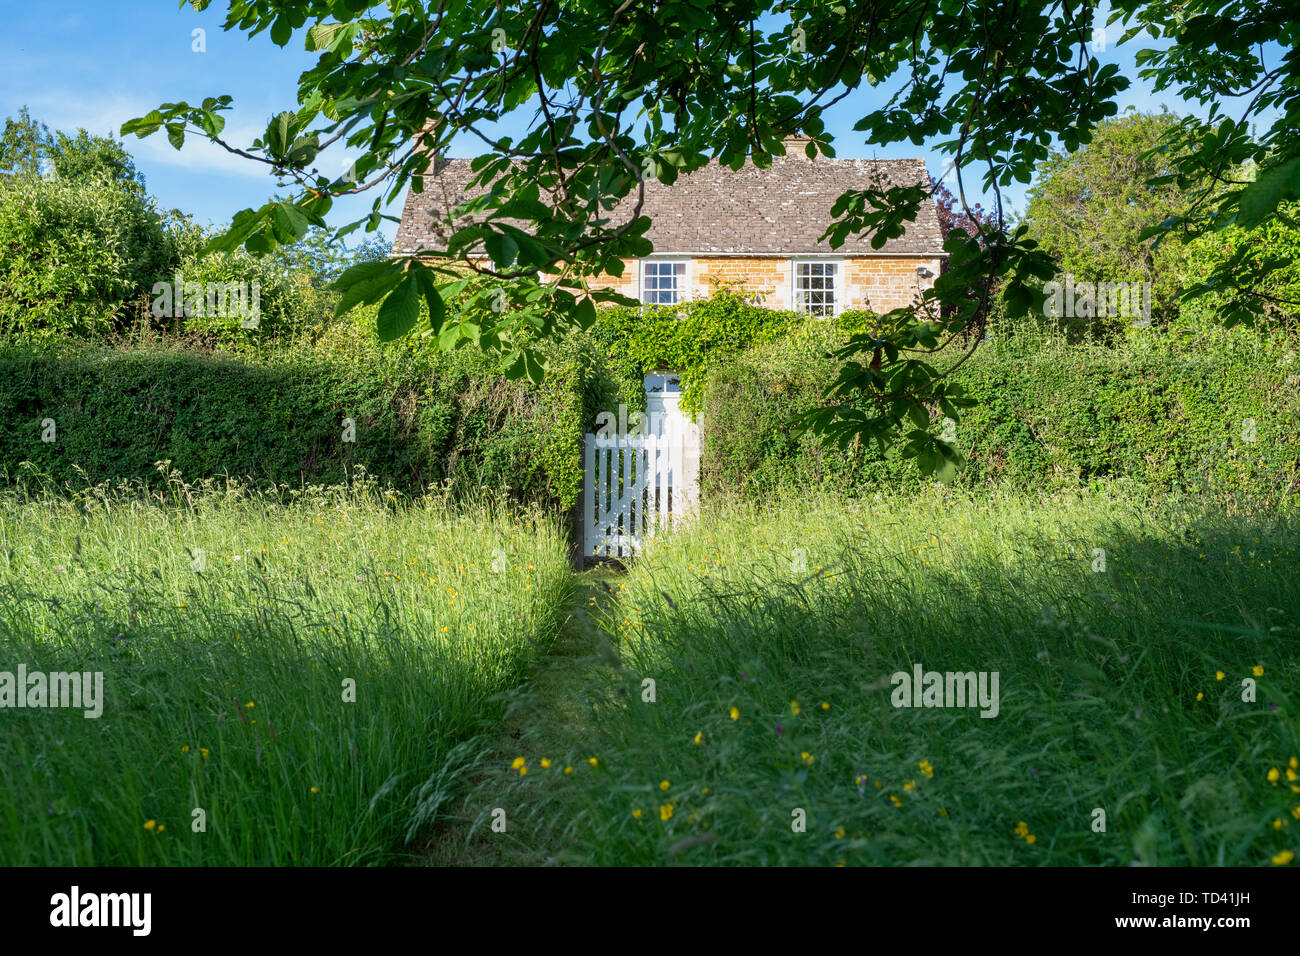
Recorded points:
609,94
1088,208
28,148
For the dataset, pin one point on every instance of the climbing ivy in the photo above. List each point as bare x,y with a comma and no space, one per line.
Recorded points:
695,336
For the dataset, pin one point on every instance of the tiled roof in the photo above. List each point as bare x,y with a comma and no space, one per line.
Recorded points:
782,210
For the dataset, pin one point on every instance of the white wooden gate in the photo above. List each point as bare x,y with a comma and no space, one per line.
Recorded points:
631,489
636,483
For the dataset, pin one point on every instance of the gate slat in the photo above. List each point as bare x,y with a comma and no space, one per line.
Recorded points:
679,468
588,495
625,497
652,482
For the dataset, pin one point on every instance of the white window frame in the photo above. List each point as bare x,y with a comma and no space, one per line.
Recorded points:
837,287
683,281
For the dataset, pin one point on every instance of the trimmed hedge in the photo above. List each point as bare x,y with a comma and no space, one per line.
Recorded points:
421,417
1158,413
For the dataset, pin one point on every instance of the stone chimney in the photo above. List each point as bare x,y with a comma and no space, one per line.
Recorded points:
795,145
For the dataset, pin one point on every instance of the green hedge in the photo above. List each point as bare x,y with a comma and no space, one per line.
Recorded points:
421,417
1159,413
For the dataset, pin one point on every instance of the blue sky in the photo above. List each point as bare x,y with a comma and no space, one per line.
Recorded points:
97,63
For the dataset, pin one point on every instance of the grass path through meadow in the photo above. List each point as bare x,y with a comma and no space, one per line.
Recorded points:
548,713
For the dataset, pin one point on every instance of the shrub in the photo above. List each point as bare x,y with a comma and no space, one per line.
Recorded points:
272,301
73,255
685,338
1087,209
1277,303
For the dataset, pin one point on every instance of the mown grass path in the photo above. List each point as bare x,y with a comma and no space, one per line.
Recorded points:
548,713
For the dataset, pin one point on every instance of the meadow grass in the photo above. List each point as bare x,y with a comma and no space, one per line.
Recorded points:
771,635
228,624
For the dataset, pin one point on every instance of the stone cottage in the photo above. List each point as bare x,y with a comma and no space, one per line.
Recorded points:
758,228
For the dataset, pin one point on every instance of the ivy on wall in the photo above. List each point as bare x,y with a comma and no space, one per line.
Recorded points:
692,338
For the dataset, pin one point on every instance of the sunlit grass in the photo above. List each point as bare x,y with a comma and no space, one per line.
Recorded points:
771,635
230,626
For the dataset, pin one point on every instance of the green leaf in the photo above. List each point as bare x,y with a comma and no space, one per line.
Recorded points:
304,150
515,366
366,283
1260,198
289,223
434,302
323,35
502,248
281,30
1018,299
449,337
534,367
400,311
212,123
279,133
945,470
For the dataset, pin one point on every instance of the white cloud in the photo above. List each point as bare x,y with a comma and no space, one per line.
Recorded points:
104,116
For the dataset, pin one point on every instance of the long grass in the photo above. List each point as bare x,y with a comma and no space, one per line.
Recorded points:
1147,662
288,677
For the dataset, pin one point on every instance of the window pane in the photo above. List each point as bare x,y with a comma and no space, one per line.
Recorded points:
662,282
814,285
